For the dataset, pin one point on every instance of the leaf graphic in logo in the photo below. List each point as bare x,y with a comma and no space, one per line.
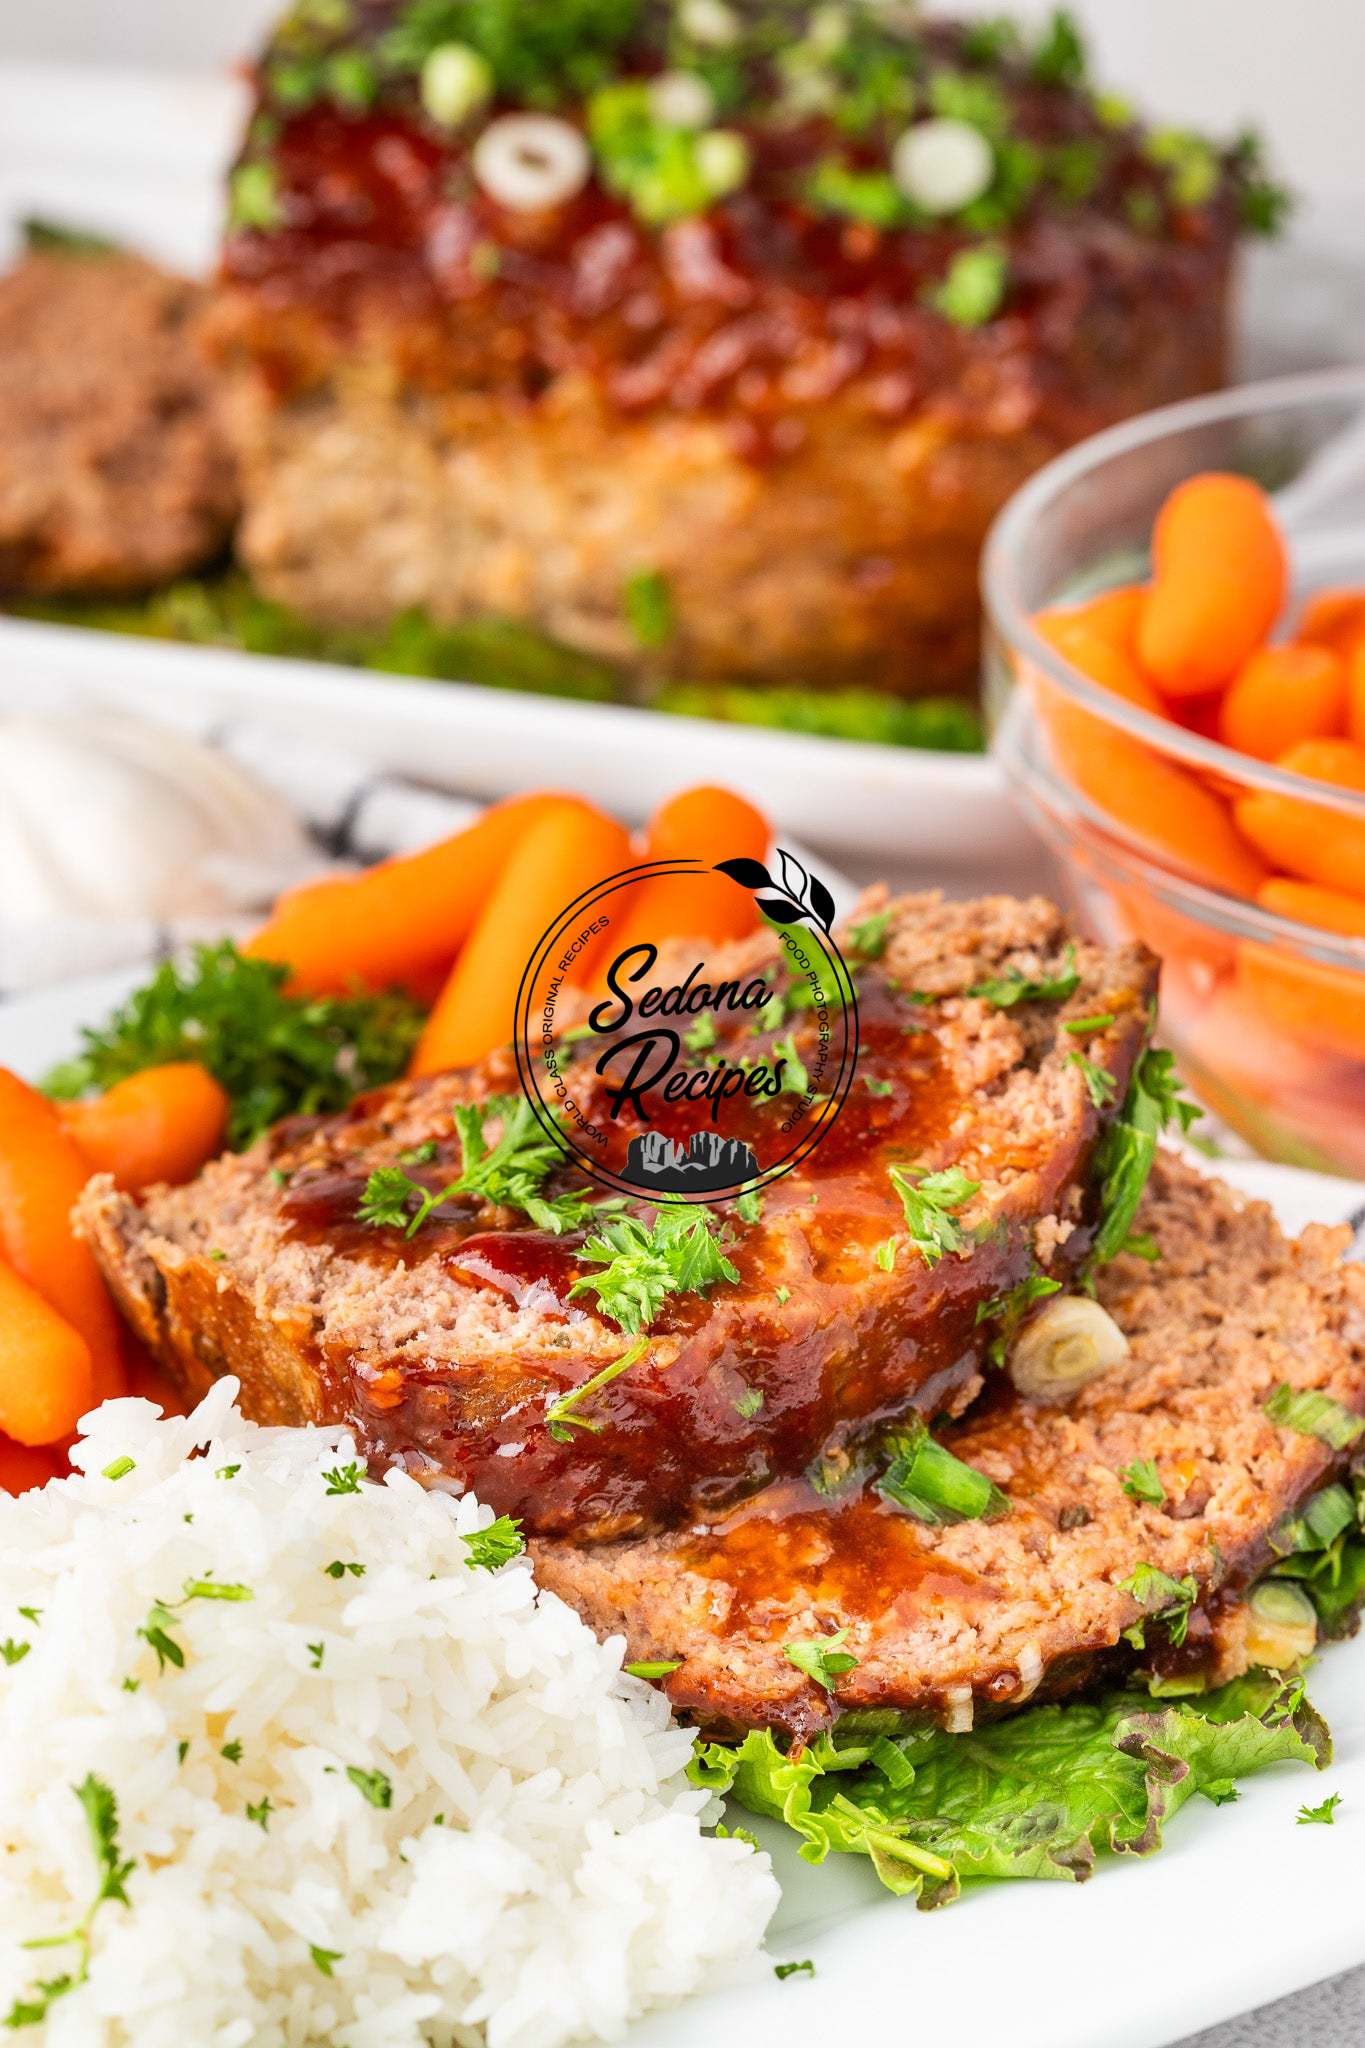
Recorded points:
750,874
794,876
780,909
822,902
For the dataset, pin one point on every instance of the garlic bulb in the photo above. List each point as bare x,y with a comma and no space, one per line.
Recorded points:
1070,1342
102,817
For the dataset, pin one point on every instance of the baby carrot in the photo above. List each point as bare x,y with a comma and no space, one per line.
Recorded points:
41,1174
1306,999
1355,694
25,1465
162,1124
1113,615
706,824
1308,839
1308,904
1334,619
1219,580
46,1379
389,924
1100,657
1283,695
564,853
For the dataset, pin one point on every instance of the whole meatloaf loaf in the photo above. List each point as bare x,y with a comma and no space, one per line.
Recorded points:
982,1030
1138,1513
704,335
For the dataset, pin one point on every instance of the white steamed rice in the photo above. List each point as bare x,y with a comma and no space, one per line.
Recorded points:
566,1886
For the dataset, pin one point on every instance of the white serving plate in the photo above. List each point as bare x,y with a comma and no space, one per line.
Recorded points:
1241,1907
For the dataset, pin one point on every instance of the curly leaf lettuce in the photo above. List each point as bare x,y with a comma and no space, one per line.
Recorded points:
1037,1795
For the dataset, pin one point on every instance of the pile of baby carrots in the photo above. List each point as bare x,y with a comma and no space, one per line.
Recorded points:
1194,647
454,924
460,920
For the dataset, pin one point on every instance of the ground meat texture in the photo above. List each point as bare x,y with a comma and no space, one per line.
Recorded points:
115,468
445,1351
980,1617
448,404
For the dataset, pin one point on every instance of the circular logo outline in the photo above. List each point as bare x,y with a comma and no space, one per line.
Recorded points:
793,898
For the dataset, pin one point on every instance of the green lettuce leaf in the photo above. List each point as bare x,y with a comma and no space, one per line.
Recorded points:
1036,1795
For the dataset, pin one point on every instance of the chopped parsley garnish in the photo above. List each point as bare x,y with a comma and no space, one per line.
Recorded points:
1312,1413
749,1206
156,1631
1011,1308
749,1403
316,1653
33,1614
119,1469
821,1658
182,1750
805,1968
324,1958
701,1036
560,1417
679,1253
929,1204
1128,1147
496,1545
1004,991
231,1752
885,1253
868,937
372,1785
648,608
274,1054
1141,1481
419,1155
1166,1599
796,1080
12,1652
876,1087
658,1667
781,1295
100,1808
227,1471
1100,1084
344,1478
510,1174
1325,1814
261,1813
925,1480
1060,57
339,1567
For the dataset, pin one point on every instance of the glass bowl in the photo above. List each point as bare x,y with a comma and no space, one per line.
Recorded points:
1265,1013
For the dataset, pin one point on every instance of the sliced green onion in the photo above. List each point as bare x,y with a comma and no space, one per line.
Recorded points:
927,1481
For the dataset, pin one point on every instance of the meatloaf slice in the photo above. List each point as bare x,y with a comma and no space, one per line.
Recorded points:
444,1351
115,468
985,1615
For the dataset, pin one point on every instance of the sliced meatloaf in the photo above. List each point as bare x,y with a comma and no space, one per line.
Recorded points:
445,1350
985,1615
115,468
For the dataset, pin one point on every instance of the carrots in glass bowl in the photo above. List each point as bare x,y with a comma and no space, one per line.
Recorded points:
1213,645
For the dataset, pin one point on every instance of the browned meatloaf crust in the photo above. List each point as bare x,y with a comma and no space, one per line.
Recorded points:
444,1352
447,404
115,468
985,1615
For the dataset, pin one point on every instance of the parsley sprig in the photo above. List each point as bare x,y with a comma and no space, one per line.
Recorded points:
496,1545
643,1263
100,1808
562,1418
929,1203
1166,1600
275,1054
1005,991
510,1174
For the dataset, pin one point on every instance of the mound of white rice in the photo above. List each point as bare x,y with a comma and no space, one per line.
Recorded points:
372,1795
